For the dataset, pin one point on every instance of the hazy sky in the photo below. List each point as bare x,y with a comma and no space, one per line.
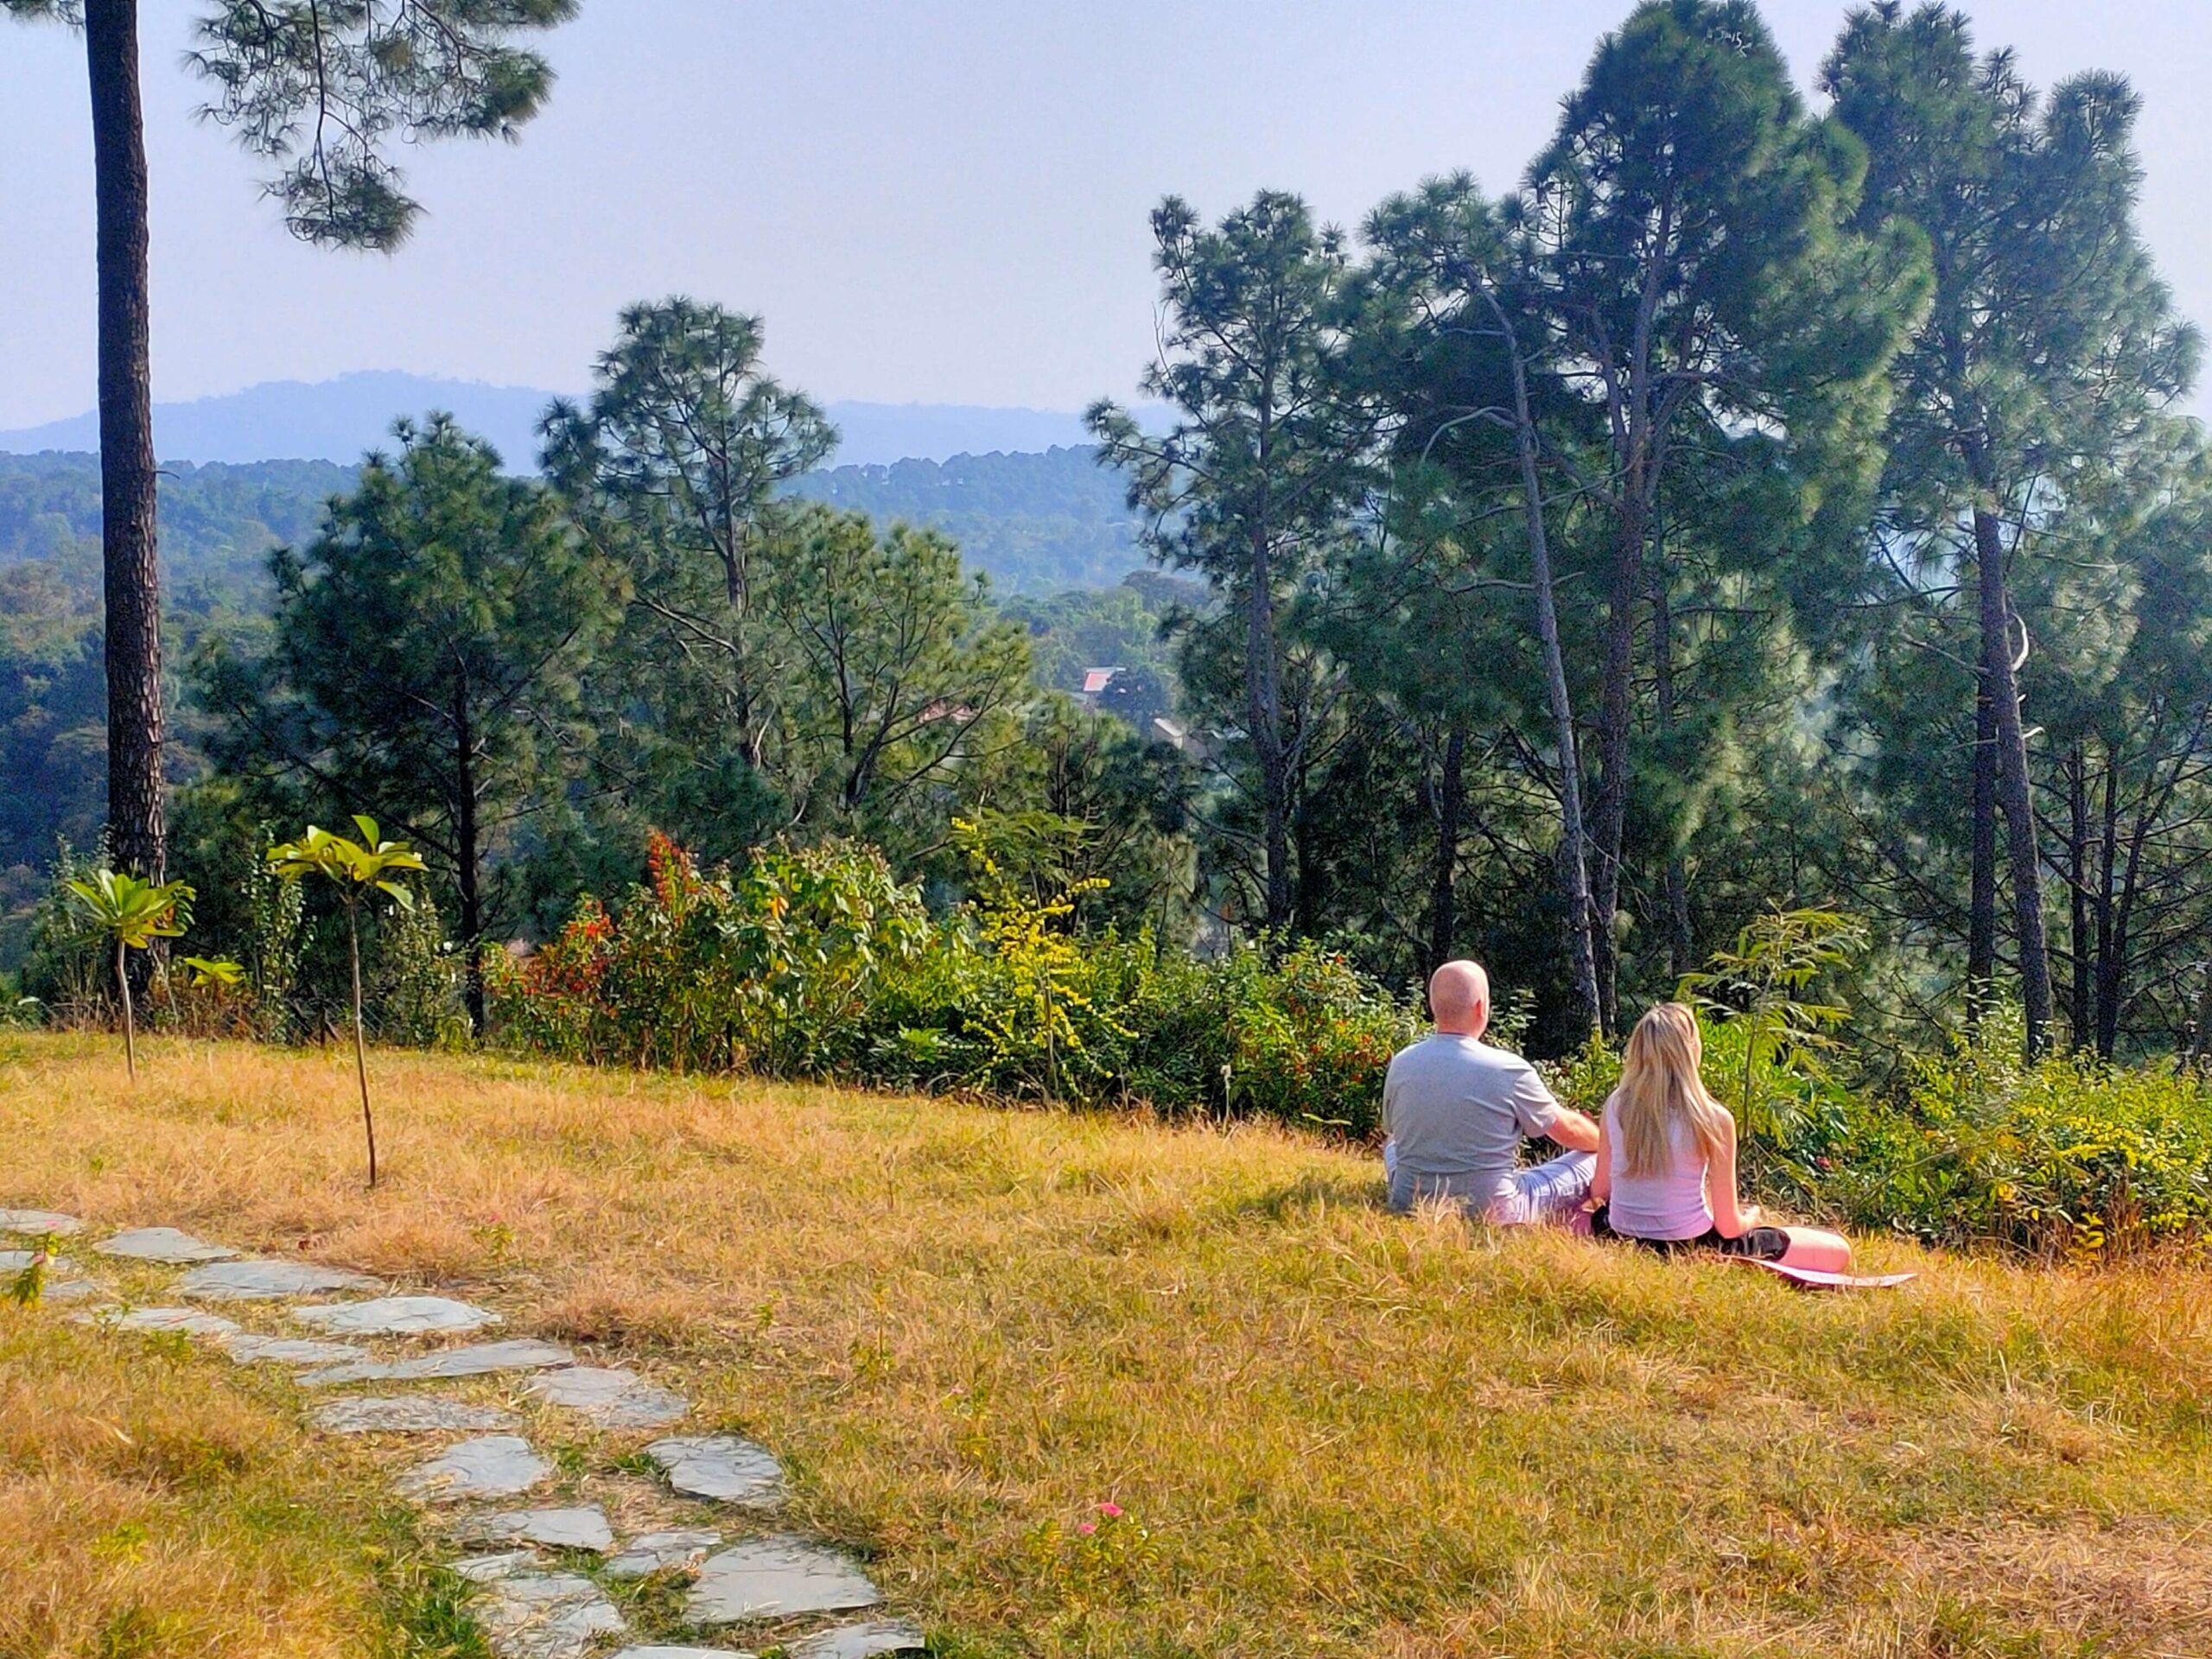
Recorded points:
928,200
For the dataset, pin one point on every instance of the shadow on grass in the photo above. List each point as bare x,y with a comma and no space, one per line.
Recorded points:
1309,1192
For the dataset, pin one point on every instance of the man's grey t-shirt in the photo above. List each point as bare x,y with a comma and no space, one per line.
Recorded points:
1458,1110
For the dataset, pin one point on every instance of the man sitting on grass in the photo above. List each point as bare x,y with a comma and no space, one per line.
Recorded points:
1455,1110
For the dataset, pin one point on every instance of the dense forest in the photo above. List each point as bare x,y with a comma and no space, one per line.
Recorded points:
1758,505
1037,523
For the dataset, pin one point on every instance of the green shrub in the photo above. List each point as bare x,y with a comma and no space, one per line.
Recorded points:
2069,1157
773,969
815,962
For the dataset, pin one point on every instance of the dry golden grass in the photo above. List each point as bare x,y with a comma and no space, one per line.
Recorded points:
149,1507
1341,1432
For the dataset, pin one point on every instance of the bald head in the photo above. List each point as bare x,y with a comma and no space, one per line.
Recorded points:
1458,998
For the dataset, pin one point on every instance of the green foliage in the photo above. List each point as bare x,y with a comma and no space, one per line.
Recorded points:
2066,1157
816,961
896,671
66,965
1033,1000
772,967
414,982
1257,486
1758,994
360,871
357,867
322,90
132,912
427,655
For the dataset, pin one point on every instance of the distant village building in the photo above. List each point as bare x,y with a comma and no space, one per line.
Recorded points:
1095,683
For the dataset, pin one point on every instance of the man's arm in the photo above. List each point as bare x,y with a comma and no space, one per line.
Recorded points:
1573,1130
1539,1112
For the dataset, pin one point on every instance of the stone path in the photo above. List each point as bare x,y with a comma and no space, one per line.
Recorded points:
612,1398
554,1604
396,1316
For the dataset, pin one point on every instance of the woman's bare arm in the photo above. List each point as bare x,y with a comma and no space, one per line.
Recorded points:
1730,1219
1601,1180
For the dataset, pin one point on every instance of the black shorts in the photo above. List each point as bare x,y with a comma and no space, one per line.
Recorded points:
1760,1244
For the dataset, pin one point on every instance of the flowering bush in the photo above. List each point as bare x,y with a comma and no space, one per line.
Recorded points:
772,969
816,961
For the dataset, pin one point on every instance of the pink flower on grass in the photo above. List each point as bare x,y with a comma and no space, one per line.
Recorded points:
1087,1528
1111,1511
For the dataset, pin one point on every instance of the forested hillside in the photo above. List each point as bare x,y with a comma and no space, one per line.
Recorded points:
216,520
1037,523
1033,523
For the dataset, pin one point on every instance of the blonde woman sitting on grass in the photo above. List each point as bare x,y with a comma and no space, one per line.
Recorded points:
1666,1173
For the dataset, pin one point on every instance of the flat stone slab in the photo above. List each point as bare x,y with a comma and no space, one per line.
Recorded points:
39,1222
248,1349
777,1578
861,1641
493,1465
678,1653
545,1615
17,1261
71,1290
577,1528
163,1244
477,1359
649,1552
721,1466
413,1413
611,1397
483,1569
266,1281
190,1320
396,1316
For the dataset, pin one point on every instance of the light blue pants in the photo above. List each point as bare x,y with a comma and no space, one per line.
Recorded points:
1549,1192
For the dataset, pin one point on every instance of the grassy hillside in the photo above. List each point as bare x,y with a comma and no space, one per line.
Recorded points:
1332,1431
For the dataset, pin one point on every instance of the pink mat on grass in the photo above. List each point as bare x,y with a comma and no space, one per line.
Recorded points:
1819,1278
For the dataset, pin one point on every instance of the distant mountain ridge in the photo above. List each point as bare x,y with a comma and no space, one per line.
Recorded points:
337,420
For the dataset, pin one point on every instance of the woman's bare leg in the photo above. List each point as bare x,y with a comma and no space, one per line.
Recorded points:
1818,1249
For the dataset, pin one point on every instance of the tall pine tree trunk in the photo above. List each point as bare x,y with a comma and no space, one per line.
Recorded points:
1982,901
2109,975
1443,902
1615,710
1573,862
468,852
132,579
2080,1018
2013,790
1263,701
1682,946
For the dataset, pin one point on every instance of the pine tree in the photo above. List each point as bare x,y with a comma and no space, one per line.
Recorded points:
1257,484
321,88
428,662
2049,345
1685,222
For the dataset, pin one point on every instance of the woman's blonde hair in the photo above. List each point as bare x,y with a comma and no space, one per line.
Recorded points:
1660,1087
